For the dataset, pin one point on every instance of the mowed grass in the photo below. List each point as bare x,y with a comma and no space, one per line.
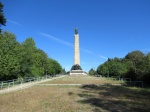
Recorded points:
85,98
79,79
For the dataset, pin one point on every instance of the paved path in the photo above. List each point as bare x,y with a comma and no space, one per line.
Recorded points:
76,84
25,85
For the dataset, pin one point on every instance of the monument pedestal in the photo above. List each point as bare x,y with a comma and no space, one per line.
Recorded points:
77,72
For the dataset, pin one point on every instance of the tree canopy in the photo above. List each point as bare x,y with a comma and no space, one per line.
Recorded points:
92,72
135,65
24,59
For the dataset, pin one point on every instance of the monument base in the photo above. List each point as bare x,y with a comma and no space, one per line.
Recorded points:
77,72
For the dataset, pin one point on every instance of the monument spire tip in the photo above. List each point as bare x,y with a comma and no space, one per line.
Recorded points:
76,30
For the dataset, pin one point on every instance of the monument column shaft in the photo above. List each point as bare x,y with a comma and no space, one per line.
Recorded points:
76,50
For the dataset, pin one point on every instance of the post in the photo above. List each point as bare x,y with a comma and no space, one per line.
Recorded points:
108,69
13,82
21,84
2,85
8,86
46,73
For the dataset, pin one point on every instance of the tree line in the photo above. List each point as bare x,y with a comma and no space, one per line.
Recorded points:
24,59
135,65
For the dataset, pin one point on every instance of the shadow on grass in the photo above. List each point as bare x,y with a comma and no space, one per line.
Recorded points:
109,98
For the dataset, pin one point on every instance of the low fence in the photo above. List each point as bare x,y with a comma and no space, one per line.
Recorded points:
119,79
128,81
20,81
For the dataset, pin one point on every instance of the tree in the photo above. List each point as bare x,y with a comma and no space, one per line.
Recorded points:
9,56
112,68
63,71
135,65
145,69
92,71
53,67
28,56
134,61
103,69
2,18
39,63
24,60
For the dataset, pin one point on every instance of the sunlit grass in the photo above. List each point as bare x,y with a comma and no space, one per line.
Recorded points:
82,80
85,98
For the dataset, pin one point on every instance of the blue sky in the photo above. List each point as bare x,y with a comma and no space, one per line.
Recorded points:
107,28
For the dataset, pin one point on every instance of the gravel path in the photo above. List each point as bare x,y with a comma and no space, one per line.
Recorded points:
25,85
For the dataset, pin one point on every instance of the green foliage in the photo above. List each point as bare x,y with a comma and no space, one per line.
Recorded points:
113,67
2,18
24,60
116,68
135,62
63,71
53,67
135,65
28,56
92,72
9,56
103,70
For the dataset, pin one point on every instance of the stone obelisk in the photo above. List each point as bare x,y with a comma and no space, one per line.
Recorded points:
76,48
76,68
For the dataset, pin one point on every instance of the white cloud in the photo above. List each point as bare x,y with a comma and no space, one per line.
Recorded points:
102,57
56,39
87,51
14,22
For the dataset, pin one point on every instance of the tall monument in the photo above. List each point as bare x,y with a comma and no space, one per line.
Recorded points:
76,48
76,69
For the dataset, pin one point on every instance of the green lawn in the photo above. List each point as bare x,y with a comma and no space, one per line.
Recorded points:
85,98
82,80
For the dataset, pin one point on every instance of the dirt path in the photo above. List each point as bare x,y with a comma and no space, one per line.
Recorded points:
25,85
